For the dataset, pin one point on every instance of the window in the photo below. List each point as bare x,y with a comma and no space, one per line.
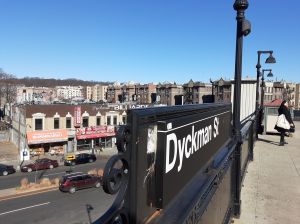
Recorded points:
124,119
56,123
39,124
108,120
85,122
115,120
98,121
68,122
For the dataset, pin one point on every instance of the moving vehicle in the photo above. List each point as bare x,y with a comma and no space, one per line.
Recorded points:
76,181
6,169
40,164
79,159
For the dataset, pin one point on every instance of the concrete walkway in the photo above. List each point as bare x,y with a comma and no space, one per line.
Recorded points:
271,188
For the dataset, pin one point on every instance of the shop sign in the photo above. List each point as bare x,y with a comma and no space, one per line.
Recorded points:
128,107
77,116
37,137
95,132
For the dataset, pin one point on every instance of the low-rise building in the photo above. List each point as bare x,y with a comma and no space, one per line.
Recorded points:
64,127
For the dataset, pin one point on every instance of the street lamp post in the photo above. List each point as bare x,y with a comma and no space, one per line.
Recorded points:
269,60
270,74
243,29
212,90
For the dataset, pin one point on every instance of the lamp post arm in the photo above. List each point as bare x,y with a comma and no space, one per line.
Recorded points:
265,52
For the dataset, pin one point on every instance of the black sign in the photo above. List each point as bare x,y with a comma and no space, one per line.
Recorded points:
185,145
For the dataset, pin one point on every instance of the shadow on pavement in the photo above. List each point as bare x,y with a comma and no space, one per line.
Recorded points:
268,141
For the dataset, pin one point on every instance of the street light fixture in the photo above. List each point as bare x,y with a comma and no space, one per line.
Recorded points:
243,29
269,60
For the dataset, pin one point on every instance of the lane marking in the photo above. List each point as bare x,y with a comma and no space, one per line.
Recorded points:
20,209
51,174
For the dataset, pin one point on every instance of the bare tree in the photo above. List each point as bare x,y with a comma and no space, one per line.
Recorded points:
8,90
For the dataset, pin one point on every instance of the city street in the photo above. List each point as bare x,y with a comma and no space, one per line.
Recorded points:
13,180
55,207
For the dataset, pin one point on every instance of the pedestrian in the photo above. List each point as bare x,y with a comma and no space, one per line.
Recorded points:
283,109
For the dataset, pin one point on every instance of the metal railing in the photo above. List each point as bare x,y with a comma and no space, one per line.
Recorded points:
151,188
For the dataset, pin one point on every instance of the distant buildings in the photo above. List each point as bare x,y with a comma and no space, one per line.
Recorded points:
169,94
197,92
222,90
35,94
95,93
68,92
131,93
166,93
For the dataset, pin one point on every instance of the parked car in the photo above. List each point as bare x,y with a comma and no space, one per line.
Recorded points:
6,169
76,181
40,164
80,158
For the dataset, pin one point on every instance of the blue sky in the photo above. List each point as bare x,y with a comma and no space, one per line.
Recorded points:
144,40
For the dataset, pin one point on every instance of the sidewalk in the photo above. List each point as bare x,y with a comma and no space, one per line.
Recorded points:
9,154
271,188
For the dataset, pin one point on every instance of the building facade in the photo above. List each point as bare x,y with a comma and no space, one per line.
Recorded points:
65,128
35,94
222,90
114,93
69,92
99,93
167,93
197,92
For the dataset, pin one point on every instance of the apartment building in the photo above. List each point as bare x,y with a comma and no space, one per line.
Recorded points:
222,90
168,93
69,92
35,94
197,92
114,93
99,92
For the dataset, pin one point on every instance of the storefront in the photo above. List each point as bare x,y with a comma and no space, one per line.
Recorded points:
95,137
50,141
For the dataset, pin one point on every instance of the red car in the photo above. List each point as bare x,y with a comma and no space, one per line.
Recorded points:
76,181
40,164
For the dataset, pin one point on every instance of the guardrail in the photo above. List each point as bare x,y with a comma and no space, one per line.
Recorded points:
179,164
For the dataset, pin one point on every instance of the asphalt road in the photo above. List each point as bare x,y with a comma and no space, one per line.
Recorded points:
13,180
55,207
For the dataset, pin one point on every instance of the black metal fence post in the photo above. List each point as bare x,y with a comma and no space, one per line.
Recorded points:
243,29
